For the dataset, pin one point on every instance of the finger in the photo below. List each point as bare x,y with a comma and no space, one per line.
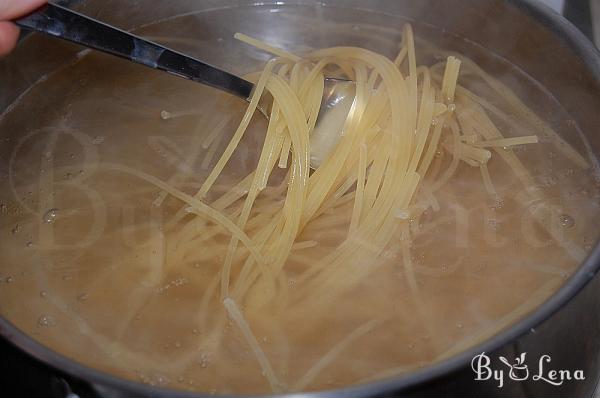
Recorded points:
11,9
9,33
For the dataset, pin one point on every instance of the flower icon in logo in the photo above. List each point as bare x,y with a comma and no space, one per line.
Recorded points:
519,371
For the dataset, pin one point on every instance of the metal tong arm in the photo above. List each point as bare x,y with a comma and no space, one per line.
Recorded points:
69,25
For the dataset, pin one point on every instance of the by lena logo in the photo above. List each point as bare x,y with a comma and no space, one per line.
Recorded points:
520,371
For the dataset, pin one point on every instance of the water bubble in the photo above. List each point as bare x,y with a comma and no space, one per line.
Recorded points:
493,224
498,203
547,181
82,297
50,216
452,107
204,360
173,284
459,325
45,321
566,221
355,28
402,214
180,379
195,331
16,229
139,374
161,380
43,294
67,278
588,247
177,344
29,244
2,208
98,140
388,254
8,279
164,115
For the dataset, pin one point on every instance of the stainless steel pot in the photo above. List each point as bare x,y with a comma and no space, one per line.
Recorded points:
541,43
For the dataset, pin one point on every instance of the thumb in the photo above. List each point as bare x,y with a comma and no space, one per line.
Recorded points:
8,37
11,9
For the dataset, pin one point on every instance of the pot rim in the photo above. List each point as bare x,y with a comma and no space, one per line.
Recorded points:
564,31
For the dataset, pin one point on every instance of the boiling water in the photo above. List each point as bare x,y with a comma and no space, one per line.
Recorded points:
82,245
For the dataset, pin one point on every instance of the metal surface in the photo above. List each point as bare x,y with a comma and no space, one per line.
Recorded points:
337,105
66,24
544,45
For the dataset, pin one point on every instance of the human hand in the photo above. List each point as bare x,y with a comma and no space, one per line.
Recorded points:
9,10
